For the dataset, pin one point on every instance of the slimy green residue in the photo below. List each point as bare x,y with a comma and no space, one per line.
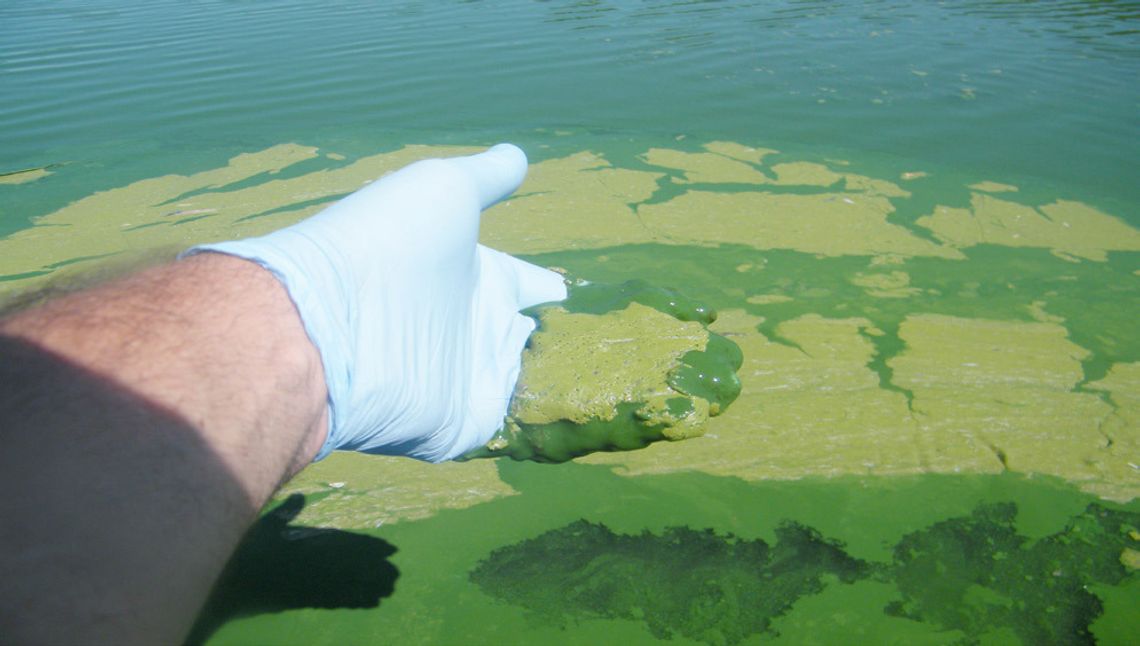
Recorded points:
581,366
615,368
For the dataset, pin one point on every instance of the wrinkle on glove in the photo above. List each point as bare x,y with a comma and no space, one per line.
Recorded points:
418,326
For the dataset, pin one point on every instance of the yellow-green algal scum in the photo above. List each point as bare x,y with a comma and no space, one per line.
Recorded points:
869,347
615,368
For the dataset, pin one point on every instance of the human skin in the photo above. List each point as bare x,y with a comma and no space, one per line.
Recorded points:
144,424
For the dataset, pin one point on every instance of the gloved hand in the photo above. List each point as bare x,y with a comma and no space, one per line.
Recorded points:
418,326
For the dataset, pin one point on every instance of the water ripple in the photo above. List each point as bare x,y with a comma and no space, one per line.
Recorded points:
948,79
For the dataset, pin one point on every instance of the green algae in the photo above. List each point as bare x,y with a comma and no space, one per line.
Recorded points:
726,589
583,200
1071,229
616,368
977,572
708,374
976,575
993,187
802,247
598,298
143,215
358,491
434,602
25,175
794,418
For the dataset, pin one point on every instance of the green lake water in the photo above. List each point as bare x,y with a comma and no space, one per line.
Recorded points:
939,435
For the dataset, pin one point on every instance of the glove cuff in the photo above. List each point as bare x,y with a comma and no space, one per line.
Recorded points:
298,270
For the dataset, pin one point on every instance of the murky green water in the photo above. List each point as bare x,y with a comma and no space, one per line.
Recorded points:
938,438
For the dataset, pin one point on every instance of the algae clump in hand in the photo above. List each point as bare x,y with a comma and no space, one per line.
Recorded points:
615,368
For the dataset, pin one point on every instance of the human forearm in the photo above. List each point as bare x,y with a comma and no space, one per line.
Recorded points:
144,423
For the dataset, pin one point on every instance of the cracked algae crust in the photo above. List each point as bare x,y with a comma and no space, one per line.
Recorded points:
811,410
1122,427
1070,229
832,224
580,201
739,151
706,167
1009,386
727,163
987,396
622,356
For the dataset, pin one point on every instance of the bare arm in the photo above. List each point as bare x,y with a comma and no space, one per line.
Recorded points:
142,425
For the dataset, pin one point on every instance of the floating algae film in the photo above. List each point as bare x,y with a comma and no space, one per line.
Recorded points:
915,418
935,438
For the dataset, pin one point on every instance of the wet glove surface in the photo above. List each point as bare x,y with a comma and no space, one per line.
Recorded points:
615,368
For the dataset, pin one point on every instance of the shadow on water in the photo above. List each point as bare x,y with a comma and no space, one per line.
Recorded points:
280,567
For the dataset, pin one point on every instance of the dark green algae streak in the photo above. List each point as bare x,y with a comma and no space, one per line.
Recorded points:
708,374
971,574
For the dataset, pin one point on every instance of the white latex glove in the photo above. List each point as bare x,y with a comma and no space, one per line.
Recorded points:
417,324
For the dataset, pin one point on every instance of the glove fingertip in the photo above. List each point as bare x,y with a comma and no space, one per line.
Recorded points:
496,172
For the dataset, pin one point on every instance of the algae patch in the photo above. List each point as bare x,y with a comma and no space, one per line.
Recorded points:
830,224
1010,387
251,195
895,284
25,175
818,260
988,186
598,378
351,490
1069,229
977,574
581,366
707,167
698,584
